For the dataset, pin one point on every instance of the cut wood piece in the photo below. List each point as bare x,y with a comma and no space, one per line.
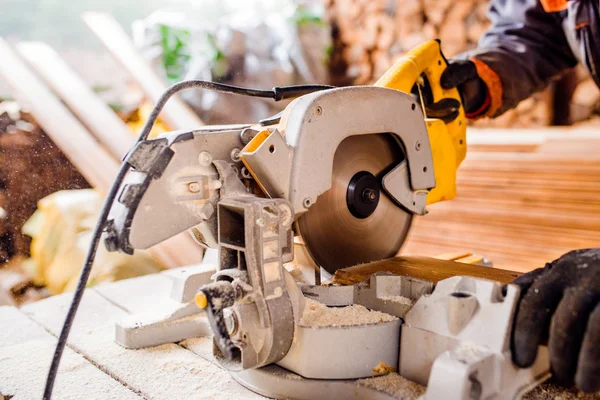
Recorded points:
429,269
176,113
80,147
99,118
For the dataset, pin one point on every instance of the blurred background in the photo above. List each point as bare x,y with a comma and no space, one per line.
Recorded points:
77,80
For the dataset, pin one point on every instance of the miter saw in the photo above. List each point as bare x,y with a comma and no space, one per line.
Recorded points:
338,174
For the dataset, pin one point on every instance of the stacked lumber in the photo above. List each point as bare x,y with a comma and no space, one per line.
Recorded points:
95,148
368,35
31,167
519,208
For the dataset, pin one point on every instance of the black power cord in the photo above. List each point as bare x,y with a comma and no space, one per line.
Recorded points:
277,93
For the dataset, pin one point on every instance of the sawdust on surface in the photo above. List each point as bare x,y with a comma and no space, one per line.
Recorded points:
394,385
550,391
316,314
398,299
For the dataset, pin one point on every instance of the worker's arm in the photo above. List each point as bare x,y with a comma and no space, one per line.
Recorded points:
561,303
524,48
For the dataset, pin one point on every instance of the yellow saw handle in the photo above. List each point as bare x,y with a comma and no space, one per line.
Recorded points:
448,141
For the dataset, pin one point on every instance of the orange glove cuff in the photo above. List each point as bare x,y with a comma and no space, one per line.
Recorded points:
494,86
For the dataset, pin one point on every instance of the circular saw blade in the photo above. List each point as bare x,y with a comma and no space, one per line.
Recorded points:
333,236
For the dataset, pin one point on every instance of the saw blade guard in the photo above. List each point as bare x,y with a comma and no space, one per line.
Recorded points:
426,63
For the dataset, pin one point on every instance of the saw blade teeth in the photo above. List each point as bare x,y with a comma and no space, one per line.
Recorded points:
333,234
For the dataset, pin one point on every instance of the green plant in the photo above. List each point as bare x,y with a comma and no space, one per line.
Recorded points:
175,51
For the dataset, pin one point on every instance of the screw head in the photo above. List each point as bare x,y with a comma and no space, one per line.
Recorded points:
235,154
231,321
194,187
319,110
369,195
204,158
418,146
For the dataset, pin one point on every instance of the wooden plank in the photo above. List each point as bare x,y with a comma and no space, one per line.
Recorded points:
86,105
176,113
94,163
430,269
26,351
161,372
107,127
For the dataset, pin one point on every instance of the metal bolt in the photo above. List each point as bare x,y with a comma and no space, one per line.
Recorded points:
245,173
231,322
369,195
235,154
319,110
247,135
418,146
204,158
194,187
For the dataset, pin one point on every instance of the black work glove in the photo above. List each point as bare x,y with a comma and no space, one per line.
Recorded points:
462,74
561,303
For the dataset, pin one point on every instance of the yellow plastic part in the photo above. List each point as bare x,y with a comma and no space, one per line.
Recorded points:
250,148
201,300
448,141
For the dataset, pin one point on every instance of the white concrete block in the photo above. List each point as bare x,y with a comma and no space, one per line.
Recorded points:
162,372
138,294
24,367
94,312
26,350
203,347
17,328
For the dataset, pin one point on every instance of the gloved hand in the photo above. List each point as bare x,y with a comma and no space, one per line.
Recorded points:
561,303
462,74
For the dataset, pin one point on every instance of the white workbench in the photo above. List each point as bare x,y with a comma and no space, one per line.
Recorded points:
95,367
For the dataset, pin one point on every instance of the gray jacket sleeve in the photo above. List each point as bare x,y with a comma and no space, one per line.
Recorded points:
525,46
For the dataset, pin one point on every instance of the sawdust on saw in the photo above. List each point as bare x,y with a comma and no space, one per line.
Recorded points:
398,299
316,314
394,385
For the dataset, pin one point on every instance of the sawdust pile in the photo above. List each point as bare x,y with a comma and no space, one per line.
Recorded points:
549,391
394,385
398,299
319,315
31,167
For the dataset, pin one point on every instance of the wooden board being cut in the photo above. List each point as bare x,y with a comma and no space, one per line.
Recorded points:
429,269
